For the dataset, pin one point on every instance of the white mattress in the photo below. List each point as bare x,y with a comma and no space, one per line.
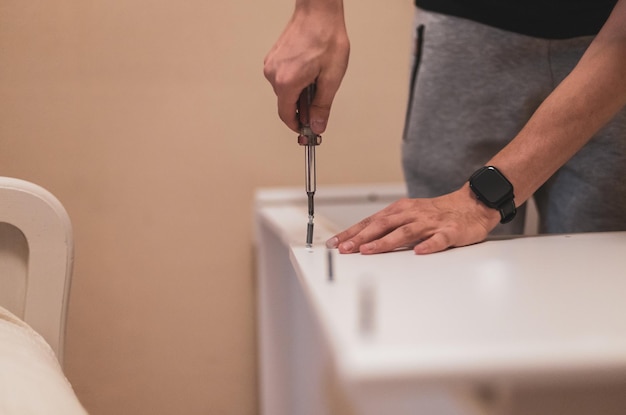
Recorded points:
31,380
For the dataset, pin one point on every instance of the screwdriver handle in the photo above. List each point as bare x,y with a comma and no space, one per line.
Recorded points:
304,105
307,137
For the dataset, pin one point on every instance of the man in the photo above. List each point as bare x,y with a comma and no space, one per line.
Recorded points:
537,99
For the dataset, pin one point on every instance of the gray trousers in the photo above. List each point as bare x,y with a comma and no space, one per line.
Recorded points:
473,87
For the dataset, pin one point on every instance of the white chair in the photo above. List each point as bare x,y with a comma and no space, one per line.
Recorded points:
36,254
36,257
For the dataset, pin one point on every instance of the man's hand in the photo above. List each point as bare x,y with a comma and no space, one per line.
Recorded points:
314,47
455,219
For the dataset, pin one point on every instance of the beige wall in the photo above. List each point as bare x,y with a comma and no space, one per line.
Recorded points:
152,123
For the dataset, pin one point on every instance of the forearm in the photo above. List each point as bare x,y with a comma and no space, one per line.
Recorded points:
582,104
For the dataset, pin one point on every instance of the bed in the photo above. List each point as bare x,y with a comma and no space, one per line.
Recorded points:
36,256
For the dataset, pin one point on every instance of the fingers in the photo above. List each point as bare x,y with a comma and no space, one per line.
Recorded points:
403,236
288,93
376,241
436,243
314,48
434,224
385,231
287,104
326,89
287,85
288,77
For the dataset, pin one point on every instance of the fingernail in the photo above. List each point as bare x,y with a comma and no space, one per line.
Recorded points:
318,126
368,247
332,243
347,246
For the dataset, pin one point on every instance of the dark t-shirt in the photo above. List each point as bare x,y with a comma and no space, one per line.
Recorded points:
550,19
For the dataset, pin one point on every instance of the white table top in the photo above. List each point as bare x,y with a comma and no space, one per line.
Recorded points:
544,306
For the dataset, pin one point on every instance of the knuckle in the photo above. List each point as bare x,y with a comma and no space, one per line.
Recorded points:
445,239
401,202
383,222
454,228
267,71
407,232
322,107
281,80
366,222
284,117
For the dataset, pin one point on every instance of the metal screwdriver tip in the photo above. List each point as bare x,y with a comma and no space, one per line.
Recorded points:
309,233
329,255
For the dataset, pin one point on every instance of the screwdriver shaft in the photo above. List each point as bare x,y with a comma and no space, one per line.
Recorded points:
309,167
309,140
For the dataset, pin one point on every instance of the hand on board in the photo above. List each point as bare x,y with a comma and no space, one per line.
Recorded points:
431,225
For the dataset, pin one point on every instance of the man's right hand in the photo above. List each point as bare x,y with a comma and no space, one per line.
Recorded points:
313,48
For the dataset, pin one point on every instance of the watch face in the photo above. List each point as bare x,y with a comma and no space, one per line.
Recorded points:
492,185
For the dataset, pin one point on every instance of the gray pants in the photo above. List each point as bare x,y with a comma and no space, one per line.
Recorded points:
473,88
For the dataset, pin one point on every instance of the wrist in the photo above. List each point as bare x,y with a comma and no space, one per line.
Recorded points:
487,216
325,6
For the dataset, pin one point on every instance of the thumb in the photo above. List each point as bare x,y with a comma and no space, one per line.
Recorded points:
320,107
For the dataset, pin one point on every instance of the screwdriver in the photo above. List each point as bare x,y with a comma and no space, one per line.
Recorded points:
309,140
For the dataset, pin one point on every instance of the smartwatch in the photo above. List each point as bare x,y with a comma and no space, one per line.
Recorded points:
495,191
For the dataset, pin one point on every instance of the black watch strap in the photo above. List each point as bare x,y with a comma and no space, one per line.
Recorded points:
507,211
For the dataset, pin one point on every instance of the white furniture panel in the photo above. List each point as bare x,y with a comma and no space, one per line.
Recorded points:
468,330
